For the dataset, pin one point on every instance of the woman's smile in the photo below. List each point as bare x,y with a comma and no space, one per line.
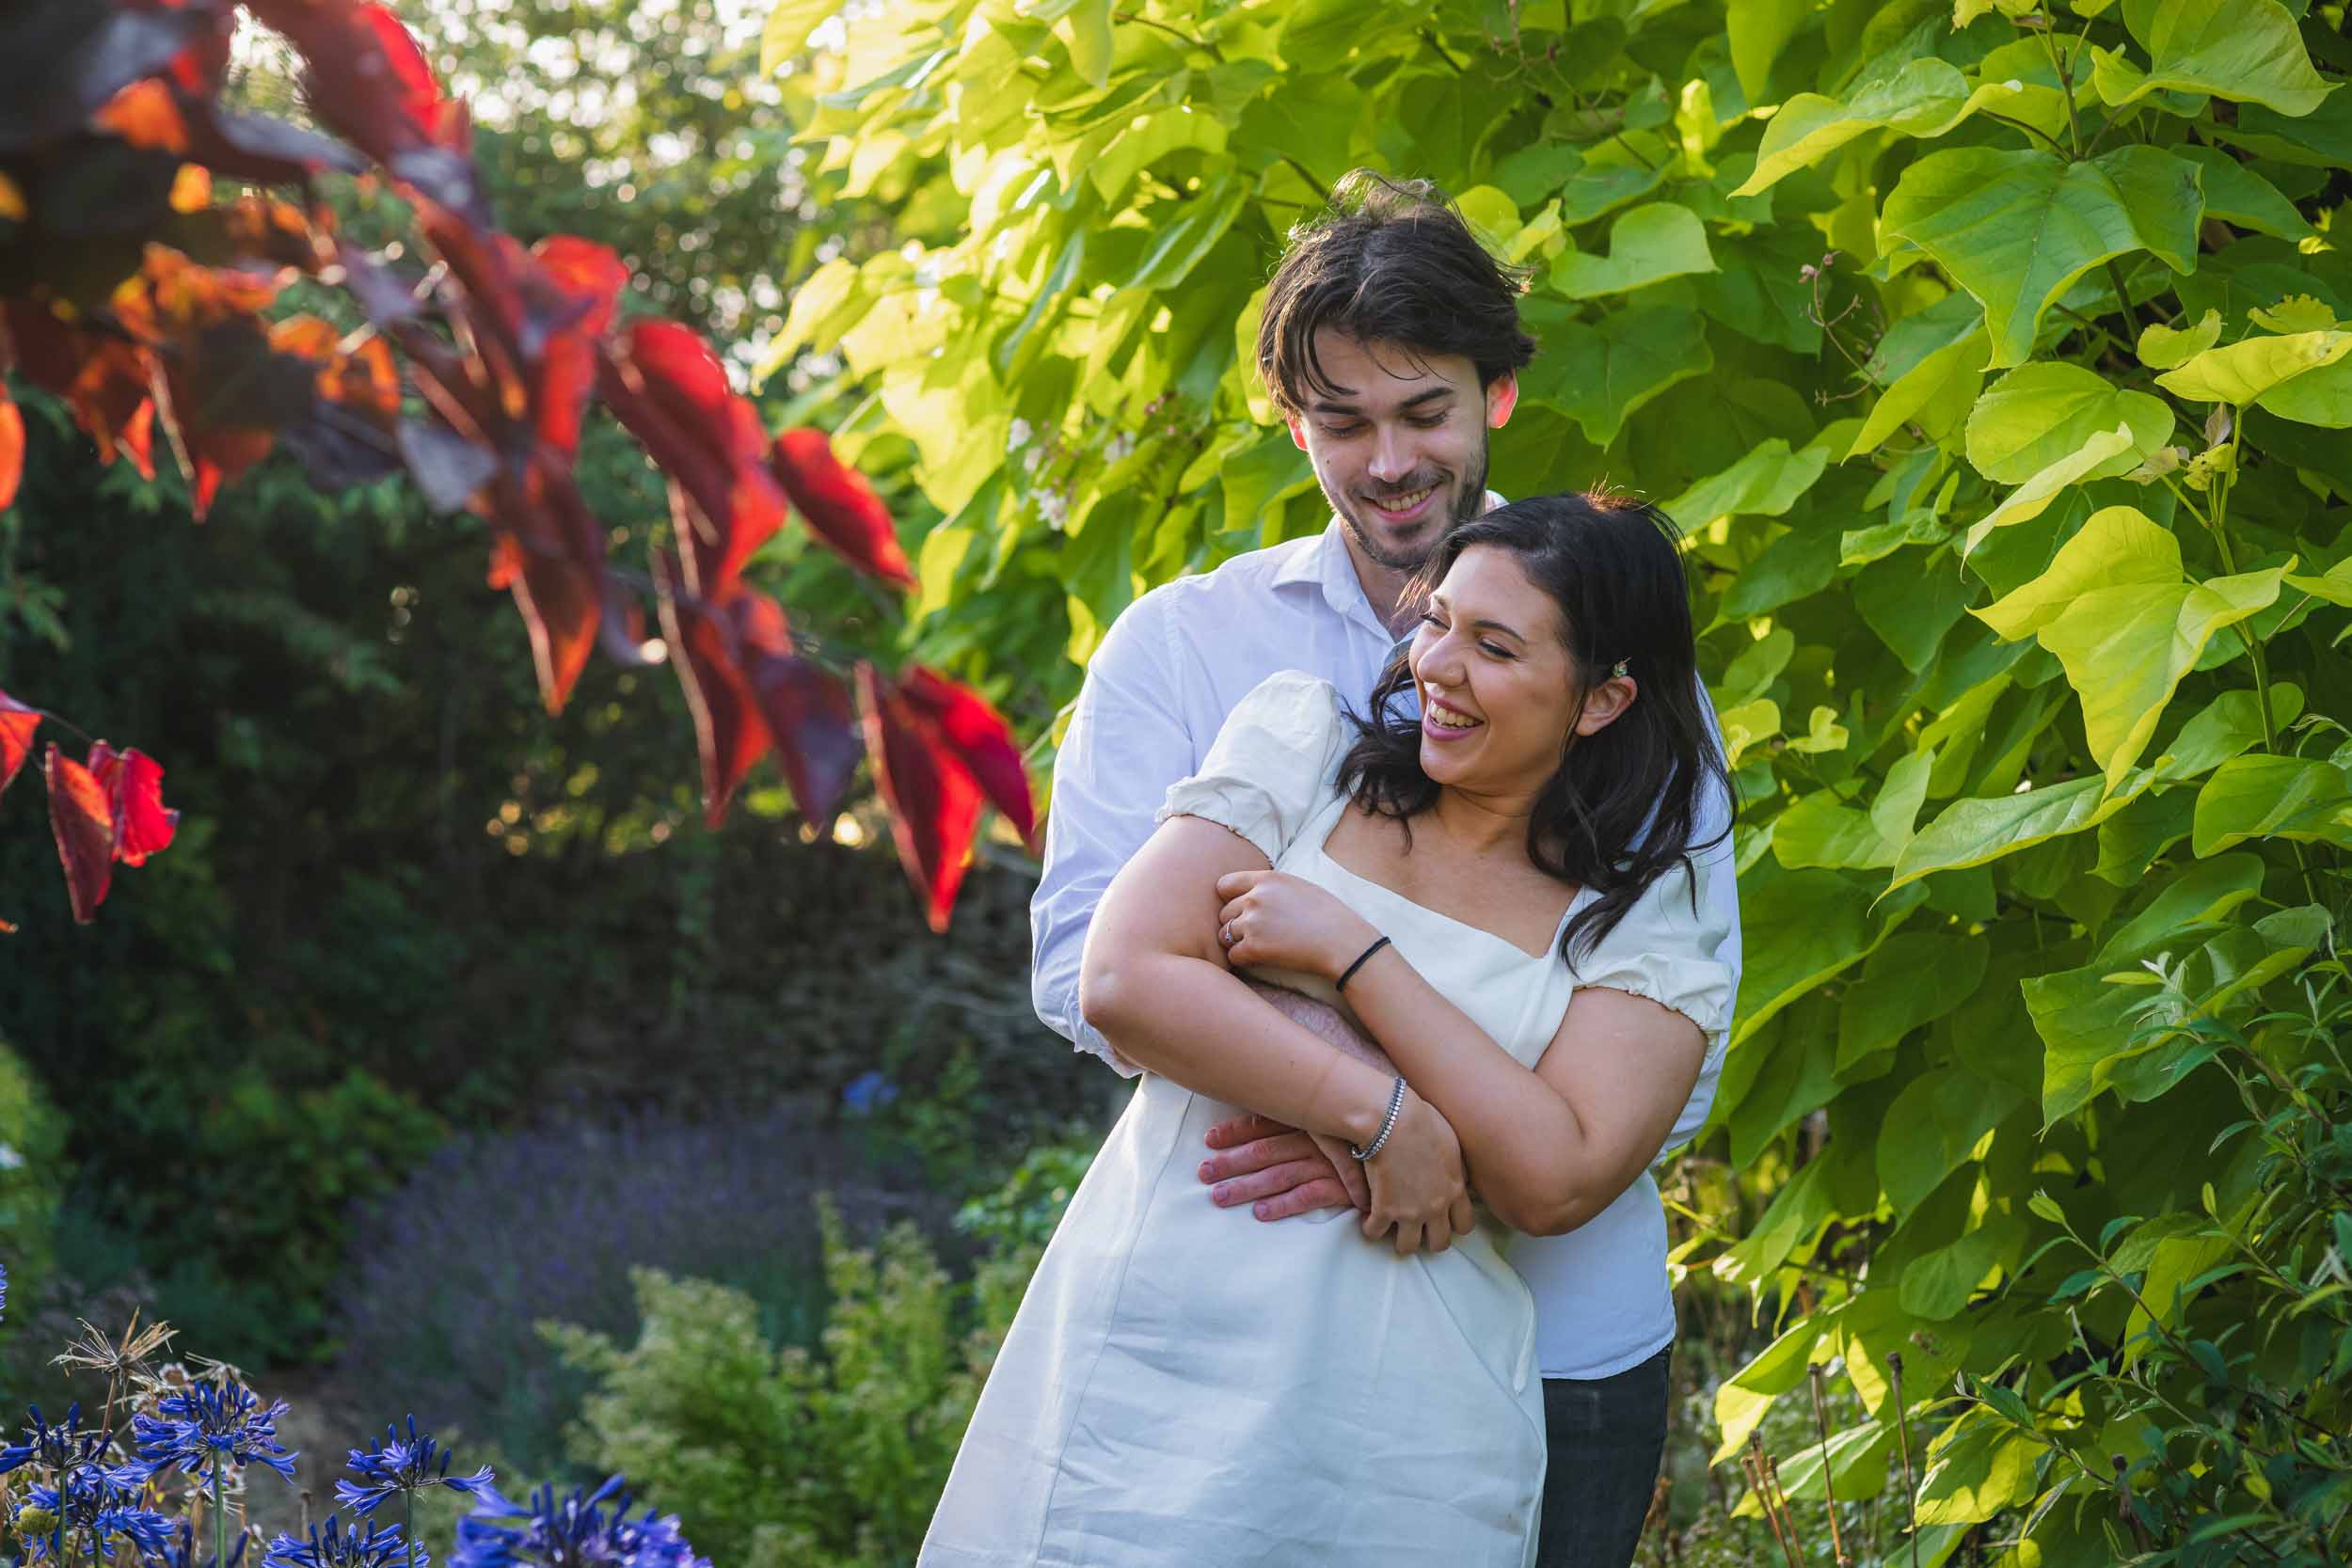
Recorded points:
1442,721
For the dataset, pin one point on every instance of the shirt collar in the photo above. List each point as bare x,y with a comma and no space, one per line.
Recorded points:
1326,565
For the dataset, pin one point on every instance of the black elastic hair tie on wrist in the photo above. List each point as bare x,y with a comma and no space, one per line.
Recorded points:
1361,958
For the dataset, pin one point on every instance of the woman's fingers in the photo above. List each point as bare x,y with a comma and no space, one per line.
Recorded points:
1464,1218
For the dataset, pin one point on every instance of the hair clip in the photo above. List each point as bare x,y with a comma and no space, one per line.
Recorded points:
1619,669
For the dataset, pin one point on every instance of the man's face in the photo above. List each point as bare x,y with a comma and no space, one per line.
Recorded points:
1400,443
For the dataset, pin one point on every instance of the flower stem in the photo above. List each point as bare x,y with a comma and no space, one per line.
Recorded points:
220,1521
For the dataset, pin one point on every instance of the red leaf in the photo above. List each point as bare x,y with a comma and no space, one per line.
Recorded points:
105,380
594,274
811,717
11,447
729,732
82,821
671,393
134,783
981,740
17,724
839,507
935,800
552,557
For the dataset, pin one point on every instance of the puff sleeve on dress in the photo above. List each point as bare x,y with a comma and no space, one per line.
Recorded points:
1271,766
1664,949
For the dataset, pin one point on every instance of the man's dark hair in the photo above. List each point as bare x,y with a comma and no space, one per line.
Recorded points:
1622,809
1388,262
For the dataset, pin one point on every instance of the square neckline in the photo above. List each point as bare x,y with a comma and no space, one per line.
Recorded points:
1321,844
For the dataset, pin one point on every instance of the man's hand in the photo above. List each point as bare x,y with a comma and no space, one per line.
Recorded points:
1280,1171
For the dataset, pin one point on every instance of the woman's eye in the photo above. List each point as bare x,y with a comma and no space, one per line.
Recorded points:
1427,619
1495,652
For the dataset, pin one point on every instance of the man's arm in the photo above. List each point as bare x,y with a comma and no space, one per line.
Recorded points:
1125,745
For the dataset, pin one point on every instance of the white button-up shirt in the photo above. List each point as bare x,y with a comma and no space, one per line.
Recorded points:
1156,693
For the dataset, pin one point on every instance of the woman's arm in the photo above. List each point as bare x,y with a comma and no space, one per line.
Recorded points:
1548,1149
1155,982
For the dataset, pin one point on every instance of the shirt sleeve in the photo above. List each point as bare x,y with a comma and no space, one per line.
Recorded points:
1664,948
1271,766
1720,894
1126,739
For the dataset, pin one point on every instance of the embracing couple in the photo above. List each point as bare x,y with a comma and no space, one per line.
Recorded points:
1395,864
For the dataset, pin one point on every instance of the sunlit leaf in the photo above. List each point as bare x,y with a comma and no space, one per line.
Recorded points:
2260,796
81,819
933,798
1647,245
979,738
2041,413
839,506
17,724
133,786
2247,51
2016,228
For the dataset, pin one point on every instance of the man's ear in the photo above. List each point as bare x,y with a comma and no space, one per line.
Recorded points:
1298,430
1605,704
1503,395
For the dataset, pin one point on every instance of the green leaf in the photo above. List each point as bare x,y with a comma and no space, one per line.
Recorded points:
2247,51
2322,397
1758,30
2202,897
1977,1466
2321,139
2079,1014
1976,830
1085,30
1911,608
1599,187
1764,483
1649,244
1944,1110
1802,927
1189,232
2237,194
1937,1285
2251,370
2032,498
1743,1398
1925,98
1147,139
2041,413
2017,228
2116,610
1915,978
2162,348
1598,374
786,31
2260,796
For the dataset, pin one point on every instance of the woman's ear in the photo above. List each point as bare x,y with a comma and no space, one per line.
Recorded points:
1605,704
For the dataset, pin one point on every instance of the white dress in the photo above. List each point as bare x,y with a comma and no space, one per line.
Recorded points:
1185,1387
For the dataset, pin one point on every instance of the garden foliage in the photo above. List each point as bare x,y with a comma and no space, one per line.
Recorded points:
1998,359
145,293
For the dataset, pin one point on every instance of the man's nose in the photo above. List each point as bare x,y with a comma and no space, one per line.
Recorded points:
1393,457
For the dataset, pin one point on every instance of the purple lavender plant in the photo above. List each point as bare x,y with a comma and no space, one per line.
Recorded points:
551,1222
570,1532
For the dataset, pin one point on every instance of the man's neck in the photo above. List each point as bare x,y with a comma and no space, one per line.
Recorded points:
1383,586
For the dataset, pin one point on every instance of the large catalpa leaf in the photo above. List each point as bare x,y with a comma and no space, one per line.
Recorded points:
1649,244
2017,228
2040,413
2247,51
2306,376
2116,609
1925,98
1598,374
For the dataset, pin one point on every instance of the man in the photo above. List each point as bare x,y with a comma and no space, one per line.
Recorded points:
1392,344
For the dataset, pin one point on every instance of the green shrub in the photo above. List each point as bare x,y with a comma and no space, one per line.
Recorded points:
777,1456
32,1179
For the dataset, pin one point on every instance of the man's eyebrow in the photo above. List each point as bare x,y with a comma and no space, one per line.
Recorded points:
1419,399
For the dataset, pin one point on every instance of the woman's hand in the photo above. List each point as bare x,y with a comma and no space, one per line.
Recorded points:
1274,919
1418,1185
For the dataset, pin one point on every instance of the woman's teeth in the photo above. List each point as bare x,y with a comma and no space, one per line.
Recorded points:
1446,720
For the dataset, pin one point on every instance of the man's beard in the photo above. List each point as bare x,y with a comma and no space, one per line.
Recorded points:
1467,502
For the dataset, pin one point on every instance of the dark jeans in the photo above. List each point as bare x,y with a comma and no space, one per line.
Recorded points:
1605,1438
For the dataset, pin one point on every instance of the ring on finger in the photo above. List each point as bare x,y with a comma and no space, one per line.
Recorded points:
1226,935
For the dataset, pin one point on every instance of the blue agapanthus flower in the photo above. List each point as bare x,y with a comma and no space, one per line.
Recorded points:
578,1532
336,1548
94,1502
405,1465
52,1448
209,1425
4,1289
180,1550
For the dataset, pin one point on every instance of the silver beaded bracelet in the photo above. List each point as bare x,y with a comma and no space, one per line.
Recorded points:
1388,1123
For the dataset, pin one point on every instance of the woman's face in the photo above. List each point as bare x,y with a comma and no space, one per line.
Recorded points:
1498,688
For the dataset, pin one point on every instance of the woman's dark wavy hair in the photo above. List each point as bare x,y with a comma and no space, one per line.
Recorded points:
1388,262
1621,810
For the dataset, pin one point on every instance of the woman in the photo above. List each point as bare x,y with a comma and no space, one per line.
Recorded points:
1498,892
